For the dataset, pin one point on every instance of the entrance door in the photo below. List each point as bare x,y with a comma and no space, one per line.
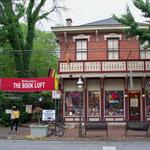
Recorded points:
134,106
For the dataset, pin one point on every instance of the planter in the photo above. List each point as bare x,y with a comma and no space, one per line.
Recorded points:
39,131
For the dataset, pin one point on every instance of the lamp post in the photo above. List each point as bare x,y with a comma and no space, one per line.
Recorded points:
80,88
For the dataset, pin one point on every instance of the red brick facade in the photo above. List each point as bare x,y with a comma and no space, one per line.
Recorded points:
101,76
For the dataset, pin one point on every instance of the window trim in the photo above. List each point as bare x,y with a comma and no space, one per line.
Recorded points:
85,51
113,51
113,35
81,37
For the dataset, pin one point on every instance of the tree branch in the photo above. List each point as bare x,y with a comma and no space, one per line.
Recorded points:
44,15
38,8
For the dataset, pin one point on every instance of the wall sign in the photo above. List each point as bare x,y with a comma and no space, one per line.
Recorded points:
134,102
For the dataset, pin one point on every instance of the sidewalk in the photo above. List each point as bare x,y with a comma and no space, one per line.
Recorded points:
115,133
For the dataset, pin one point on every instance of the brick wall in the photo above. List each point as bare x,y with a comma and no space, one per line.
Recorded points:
97,50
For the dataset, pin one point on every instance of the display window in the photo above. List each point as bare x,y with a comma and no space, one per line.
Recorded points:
93,103
114,103
72,99
148,103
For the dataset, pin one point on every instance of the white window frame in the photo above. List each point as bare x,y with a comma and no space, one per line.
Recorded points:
81,49
113,50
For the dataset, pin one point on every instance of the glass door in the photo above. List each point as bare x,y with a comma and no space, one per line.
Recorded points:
134,106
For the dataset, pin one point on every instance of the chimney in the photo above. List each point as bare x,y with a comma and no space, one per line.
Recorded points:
69,22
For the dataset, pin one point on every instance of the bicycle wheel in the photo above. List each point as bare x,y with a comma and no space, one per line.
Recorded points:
59,131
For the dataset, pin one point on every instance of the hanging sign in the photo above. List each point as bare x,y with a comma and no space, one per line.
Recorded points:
56,94
27,84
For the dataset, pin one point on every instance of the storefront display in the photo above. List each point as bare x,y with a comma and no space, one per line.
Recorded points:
114,103
72,99
94,103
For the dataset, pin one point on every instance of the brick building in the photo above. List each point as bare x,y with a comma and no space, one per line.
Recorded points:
114,69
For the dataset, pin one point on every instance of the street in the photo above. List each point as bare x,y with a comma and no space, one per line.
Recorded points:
71,145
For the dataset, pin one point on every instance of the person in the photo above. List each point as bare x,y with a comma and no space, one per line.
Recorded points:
15,114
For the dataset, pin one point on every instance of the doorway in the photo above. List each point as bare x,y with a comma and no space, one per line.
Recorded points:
134,107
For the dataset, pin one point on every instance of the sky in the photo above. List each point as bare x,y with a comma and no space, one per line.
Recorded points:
85,11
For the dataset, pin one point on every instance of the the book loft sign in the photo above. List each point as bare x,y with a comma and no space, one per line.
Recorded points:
26,84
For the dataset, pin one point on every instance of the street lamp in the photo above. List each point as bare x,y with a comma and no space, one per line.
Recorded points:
80,88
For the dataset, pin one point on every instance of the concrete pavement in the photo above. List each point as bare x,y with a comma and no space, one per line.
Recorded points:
115,133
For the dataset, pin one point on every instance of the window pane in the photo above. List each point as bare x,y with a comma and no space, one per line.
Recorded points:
93,103
115,55
148,54
112,44
72,99
115,44
84,45
78,44
142,54
79,56
84,56
114,103
110,56
81,45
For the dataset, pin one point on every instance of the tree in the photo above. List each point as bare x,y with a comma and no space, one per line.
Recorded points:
128,20
42,58
11,12
44,55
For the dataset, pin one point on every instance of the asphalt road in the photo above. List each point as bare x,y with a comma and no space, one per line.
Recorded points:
70,145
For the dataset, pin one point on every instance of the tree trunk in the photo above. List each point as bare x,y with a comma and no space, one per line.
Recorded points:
29,47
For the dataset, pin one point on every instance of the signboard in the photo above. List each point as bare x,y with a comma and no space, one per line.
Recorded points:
48,115
8,111
56,94
133,102
29,109
27,84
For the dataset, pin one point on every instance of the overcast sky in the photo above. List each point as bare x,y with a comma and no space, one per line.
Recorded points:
85,11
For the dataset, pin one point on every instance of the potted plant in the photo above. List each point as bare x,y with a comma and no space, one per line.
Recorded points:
38,130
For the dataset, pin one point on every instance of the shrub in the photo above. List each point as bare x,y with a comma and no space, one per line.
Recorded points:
24,117
5,120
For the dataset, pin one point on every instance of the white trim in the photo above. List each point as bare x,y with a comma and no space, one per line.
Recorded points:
81,36
87,28
112,35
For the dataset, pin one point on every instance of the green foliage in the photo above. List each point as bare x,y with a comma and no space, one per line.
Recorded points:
24,117
21,100
22,41
43,56
5,120
128,20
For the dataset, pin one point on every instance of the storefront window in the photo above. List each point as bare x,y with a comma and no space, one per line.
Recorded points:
114,103
94,103
148,103
72,99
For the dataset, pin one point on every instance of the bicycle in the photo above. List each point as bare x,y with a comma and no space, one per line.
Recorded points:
56,128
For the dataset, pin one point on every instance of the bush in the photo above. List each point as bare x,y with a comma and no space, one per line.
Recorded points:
24,117
5,120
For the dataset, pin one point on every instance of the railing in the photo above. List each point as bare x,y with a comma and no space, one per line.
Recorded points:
104,66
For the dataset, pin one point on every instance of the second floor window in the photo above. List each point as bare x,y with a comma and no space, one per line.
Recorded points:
113,46
81,49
